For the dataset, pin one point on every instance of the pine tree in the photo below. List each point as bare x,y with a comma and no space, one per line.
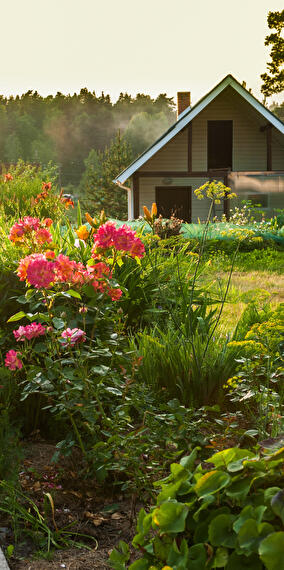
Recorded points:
99,191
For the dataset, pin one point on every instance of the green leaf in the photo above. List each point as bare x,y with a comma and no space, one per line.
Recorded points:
189,460
170,517
17,317
119,556
227,456
251,534
249,512
58,323
221,531
74,294
197,556
211,483
221,558
277,504
239,488
178,557
141,565
237,562
271,551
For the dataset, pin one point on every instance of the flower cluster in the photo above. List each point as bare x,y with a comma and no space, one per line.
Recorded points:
29,228
215,191
29,332
12,360
72,337
44,270
121,239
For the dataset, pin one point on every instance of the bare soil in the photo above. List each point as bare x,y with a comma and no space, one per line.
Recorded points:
94,511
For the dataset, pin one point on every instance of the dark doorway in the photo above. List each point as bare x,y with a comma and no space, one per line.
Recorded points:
220,144
174,200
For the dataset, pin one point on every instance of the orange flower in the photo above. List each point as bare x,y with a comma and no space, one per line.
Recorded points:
92,221
67,202
82,233
8,177
154,209
46,186
147,214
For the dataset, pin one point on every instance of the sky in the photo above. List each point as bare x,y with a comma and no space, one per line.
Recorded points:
146,46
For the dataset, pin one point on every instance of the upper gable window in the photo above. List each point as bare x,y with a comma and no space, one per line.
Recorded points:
220,144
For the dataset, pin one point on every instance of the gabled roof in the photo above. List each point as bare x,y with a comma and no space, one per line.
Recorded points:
189,114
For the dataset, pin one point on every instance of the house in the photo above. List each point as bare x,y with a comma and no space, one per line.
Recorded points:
228,135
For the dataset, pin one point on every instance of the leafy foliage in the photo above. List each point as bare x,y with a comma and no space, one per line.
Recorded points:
224,513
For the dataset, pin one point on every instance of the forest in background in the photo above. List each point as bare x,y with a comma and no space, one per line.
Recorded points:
65,128
89,138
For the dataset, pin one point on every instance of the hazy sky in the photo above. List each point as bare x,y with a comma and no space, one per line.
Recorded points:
149,46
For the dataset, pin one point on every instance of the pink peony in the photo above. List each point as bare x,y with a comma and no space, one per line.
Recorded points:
12,361
73,336
40,273
29,332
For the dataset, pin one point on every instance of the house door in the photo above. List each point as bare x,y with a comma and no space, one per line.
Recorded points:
220,144
174,200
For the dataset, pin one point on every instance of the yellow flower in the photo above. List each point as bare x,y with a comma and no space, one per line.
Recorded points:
82,233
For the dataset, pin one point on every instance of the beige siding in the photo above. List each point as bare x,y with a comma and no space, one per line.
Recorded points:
199,207
249,143
277,151
173,156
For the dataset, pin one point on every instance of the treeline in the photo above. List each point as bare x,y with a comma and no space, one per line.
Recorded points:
66,128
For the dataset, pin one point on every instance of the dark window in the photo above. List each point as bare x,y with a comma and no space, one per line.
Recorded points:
174,200
259,199
220,144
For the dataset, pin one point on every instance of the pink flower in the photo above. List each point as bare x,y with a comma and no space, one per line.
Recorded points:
40,273
43,236
64,268
122,239
25,262
29,332
114,293
105,235
73,336
137,248
12,361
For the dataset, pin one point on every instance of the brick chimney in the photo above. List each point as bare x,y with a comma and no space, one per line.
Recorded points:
183,101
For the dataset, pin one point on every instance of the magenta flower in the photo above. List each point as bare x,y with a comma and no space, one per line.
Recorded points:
73,336
105,235
12,361
29,332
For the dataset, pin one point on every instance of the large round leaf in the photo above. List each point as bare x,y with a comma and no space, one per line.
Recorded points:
237,562
211,483
221,532
271,551
170,516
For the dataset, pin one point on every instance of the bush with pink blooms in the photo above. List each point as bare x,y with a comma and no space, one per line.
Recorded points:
71,347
